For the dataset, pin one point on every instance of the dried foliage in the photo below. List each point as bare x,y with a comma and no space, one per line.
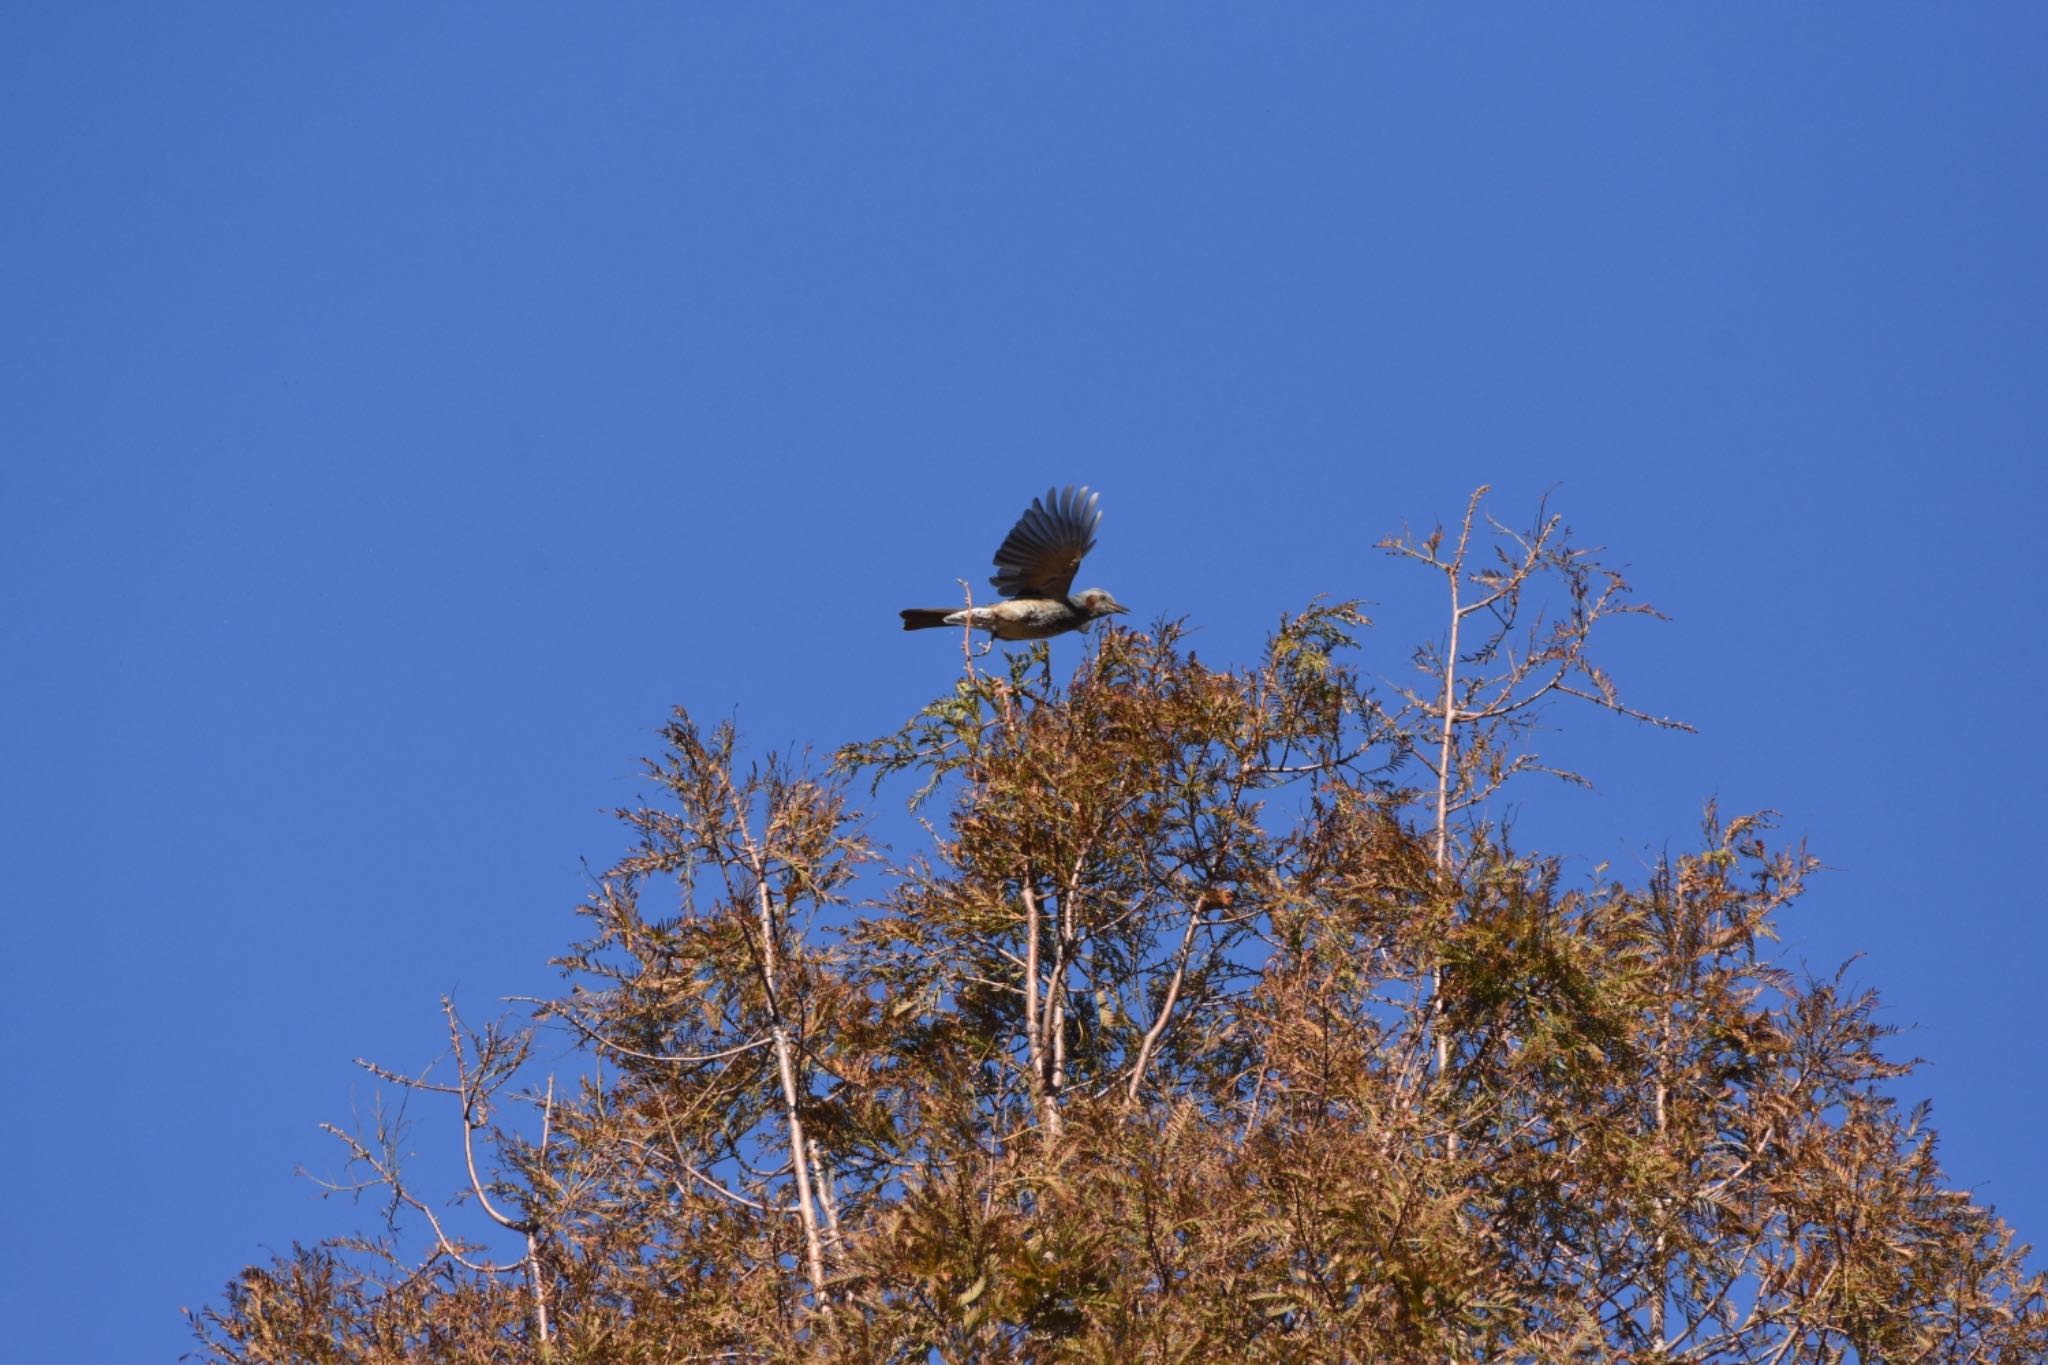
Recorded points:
1215,1024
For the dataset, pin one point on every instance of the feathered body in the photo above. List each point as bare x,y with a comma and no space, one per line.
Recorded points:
1035,569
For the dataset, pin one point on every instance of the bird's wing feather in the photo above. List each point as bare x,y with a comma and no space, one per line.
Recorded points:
1043,551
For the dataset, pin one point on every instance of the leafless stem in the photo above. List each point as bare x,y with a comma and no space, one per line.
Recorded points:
472,1119
1158,1029
533,1270
785,1060
561,1011
1446,737
1037,1012
1056,993
967,650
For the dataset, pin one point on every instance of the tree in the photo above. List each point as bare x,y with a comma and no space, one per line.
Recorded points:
1216,1023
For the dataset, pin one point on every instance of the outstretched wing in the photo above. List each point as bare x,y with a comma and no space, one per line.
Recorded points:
1043,550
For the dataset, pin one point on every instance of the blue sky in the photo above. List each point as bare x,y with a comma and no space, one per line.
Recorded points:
403,406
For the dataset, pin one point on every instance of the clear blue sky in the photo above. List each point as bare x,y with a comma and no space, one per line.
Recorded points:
402,406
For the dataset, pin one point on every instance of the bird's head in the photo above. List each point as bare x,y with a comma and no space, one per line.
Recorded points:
1096,603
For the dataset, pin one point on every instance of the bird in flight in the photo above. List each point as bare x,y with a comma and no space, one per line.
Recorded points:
1034,569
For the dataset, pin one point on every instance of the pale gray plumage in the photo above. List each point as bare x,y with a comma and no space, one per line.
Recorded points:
1035,569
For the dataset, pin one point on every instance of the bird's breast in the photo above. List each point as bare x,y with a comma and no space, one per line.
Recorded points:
1031,618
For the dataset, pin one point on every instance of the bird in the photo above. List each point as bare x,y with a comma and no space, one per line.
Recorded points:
1035,567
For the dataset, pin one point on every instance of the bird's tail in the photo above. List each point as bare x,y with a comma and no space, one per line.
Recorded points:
924,618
